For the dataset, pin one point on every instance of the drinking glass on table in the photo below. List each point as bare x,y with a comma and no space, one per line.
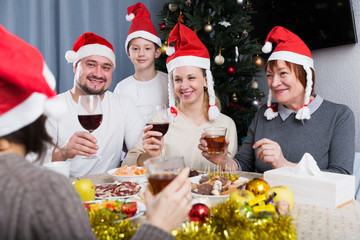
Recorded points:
215,139
90,114
161,171
158,117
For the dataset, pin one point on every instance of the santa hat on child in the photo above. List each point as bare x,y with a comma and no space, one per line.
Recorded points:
26,84
90,44
141,26
186,49
290,48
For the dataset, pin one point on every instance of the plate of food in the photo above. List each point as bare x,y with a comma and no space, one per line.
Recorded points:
216,186
115,209
129,173
118,190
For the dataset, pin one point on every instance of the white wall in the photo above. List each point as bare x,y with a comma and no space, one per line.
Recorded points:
337,72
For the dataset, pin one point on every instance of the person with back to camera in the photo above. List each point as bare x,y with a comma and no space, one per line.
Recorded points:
147,86
93,61
300,122
192,104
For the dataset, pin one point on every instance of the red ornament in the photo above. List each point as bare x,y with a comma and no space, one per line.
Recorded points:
230,70
199,213
162,26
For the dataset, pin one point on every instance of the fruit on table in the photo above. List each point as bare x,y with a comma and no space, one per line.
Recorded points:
86,189
282,193
241,196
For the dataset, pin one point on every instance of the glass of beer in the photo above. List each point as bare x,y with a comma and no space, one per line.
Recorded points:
215,139
162,170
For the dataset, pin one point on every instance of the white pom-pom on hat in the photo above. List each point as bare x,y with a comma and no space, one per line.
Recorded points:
170,51
71,56
267,47
130,17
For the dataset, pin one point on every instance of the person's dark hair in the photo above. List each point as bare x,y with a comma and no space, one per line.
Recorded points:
33,136
298,70
128,46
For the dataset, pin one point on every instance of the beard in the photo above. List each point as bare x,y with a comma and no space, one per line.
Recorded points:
90,91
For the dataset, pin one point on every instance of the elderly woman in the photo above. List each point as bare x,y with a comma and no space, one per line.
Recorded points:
192,101
299,122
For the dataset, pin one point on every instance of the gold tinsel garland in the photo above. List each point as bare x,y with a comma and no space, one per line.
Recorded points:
226,222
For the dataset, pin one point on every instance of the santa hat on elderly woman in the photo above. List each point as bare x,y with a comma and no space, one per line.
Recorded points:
186,49
89,44
141,26
290,48
26,84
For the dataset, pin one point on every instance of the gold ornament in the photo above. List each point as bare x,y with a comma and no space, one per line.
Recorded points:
173,7
258,61
254,84
219,60
163,48
257,186
208,28
234,97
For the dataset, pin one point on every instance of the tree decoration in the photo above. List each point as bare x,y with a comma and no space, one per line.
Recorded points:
258,61
236,54
257,186
188,3
230,70
254,84
240,2
173,7
255,103
208,28
162,26
225,24
199,212
181,17
234,97
244,34
219,59
163,48
248,5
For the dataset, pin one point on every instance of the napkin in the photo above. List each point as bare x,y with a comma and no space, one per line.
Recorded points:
307,166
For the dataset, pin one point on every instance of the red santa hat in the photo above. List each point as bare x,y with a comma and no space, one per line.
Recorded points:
292,49
141,26
90,44
186,49
26,84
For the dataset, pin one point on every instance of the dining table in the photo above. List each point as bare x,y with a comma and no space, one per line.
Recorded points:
311,222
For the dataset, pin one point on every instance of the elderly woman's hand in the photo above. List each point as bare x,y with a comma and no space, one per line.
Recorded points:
270,152
152,141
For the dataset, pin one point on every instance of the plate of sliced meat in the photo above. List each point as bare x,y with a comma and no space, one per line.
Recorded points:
118,190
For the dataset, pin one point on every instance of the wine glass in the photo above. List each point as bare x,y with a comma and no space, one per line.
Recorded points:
90,114
158,117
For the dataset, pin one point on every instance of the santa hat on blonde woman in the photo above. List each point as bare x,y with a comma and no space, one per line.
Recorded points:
89,44
292,49
26,84
141,26
186,49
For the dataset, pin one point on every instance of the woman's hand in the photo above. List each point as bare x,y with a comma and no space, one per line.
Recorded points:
270,152
168,209
221,159
152,141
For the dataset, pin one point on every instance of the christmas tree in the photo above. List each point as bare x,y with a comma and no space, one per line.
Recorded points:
224,27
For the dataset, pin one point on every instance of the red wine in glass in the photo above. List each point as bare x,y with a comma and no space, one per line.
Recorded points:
90,122
159,127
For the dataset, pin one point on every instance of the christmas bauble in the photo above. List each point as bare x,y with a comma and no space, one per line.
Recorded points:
258,61
257,186
208,28
240,2
162,26
173,7
234,97
244,34
199,212
219,60
230,70
254,85
255,103
163,48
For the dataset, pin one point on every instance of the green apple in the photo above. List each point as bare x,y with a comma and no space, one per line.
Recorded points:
241,196
86,189
282,193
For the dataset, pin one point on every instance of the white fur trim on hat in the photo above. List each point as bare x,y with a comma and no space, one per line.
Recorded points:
90,50
188,61
267,47
292,57
142,34
130,17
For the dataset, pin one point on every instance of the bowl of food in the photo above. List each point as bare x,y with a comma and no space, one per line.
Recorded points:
129,173
118,190
216,186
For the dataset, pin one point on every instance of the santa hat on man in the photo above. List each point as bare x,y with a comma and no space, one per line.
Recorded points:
186,49
292,49
89,44
26,84
141,26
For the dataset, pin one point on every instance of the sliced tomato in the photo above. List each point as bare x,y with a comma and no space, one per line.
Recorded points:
129,208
